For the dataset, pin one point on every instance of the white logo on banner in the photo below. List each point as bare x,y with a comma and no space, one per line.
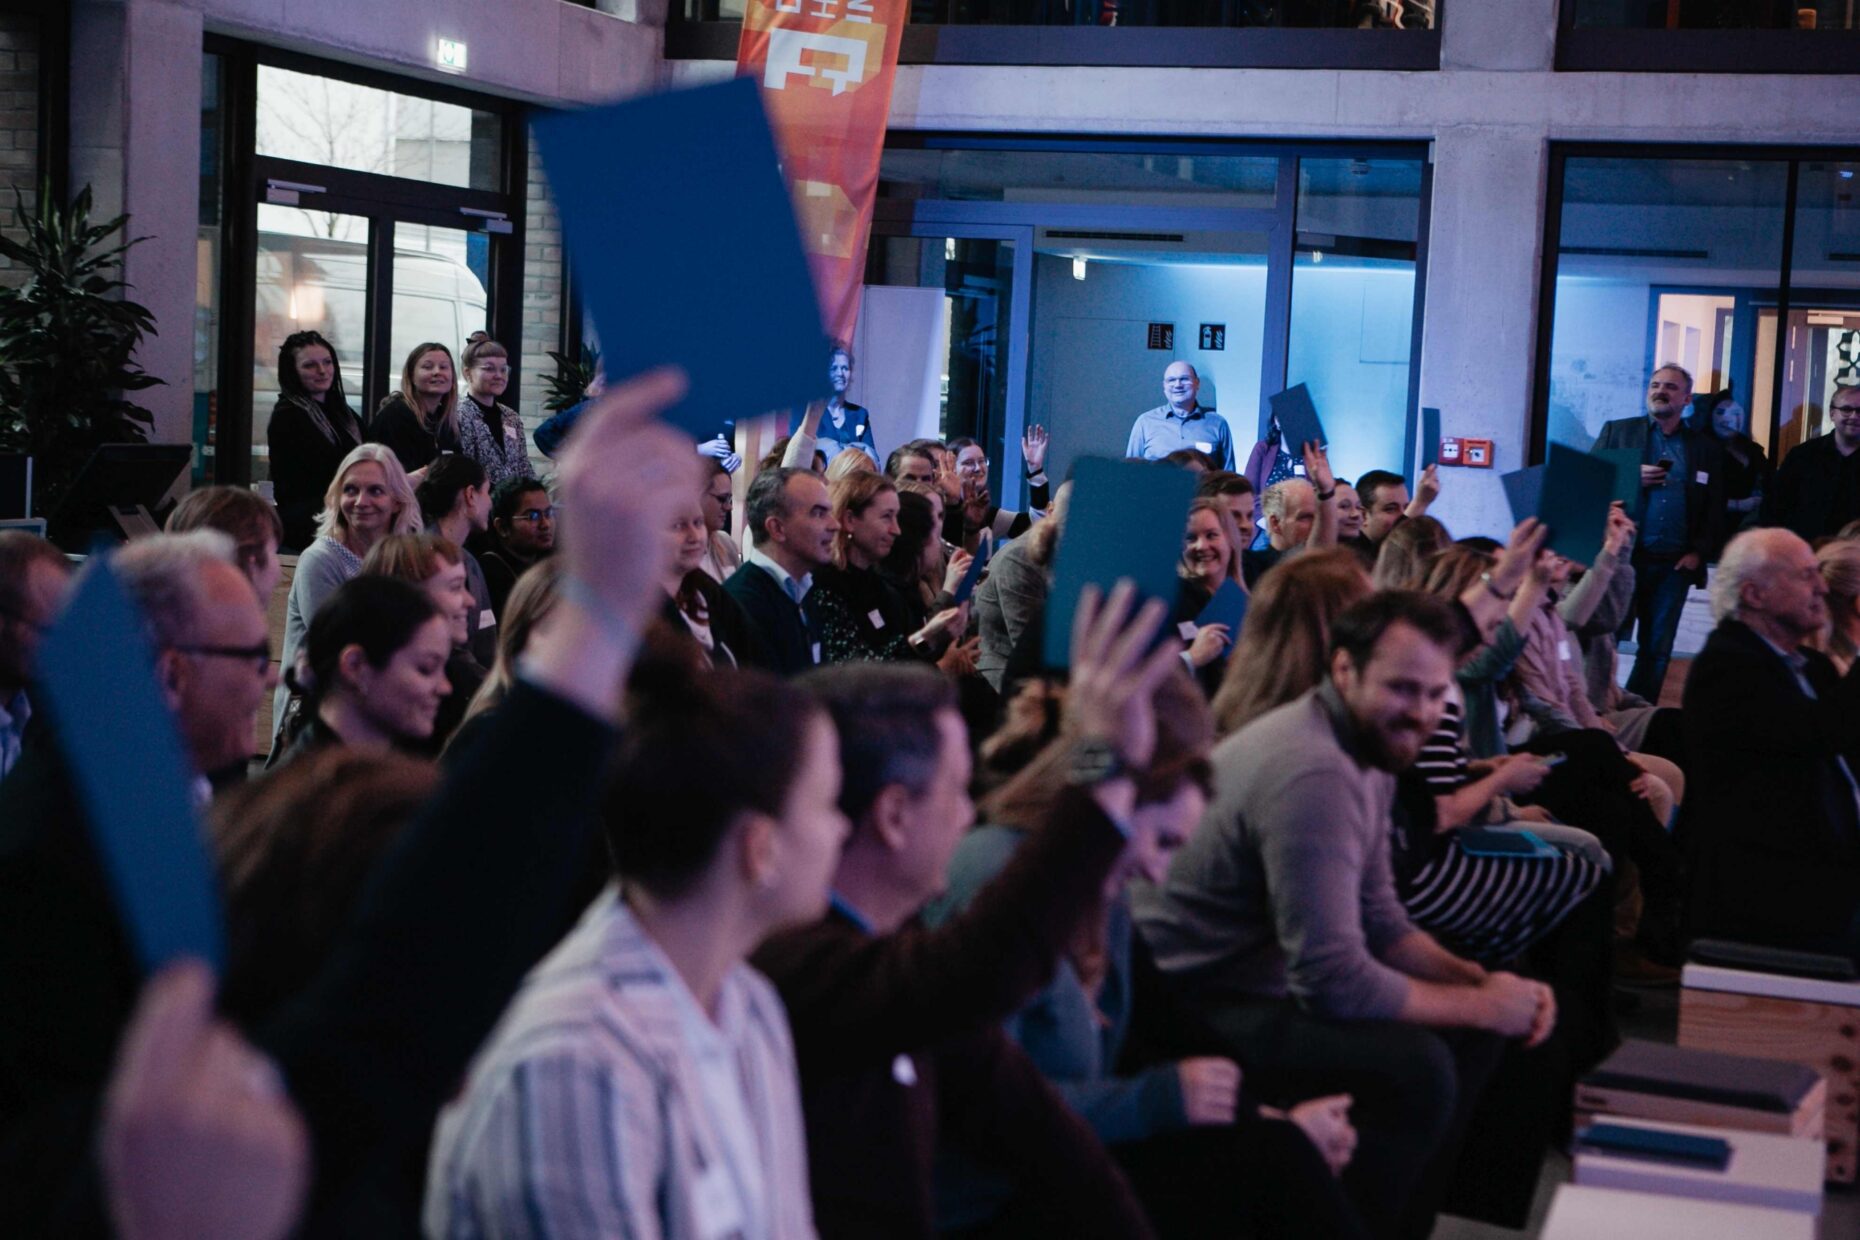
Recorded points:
784,59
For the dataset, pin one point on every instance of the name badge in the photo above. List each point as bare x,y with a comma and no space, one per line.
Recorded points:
1562,650
859,431
816,652
1202,445
487,619
903,1071
1299,469
716,1211
1702,478
1188,629
878,621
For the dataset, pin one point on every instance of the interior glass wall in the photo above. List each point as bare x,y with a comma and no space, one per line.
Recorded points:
1681,259
1322,14
1717,14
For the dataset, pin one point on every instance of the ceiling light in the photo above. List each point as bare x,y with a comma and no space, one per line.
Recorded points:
1078,267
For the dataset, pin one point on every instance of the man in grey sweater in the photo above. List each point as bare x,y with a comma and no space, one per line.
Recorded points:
1281,924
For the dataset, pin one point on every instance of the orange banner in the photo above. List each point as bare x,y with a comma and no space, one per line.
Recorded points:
826,68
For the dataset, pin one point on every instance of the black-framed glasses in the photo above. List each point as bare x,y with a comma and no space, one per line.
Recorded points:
1844,408
534,514
258,654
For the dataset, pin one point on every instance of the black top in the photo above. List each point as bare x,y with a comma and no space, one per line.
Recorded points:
861,616
501,568
303,463
729,627
785,635
1255,561
1817,490
398,425
472,895
1743,478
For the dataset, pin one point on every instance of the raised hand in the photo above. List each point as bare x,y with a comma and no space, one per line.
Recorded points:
1317,468
958,568
1519,555
198,1137
1115,674
1033,449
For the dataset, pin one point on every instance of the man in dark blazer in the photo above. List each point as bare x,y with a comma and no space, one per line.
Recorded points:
791,525
897,1029
1816,490
1773,812
1681,517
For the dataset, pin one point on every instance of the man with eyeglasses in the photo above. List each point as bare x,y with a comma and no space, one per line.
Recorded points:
1181,422
1680,514
33,578
1817,487
523,532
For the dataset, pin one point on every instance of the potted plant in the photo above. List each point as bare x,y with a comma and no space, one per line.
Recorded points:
67,342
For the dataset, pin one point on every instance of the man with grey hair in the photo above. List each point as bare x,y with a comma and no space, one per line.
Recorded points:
790,522
1773,734
1299,513
1817,486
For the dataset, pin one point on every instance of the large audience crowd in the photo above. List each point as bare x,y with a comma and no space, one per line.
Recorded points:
609,877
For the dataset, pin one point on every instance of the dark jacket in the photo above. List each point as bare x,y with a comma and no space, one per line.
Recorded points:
1816,490
501,570
898,1041
728,625
862,616
786,635
472,895
1770,820
1704,500
303,463
402,428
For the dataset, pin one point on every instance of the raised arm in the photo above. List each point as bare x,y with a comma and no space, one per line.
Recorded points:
1317,473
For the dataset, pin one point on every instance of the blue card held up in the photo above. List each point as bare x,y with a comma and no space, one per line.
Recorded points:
1570,493
1228,607
682,238
120,742
1626,462
1523,490
1126,521
1298,418
973,576
1430,437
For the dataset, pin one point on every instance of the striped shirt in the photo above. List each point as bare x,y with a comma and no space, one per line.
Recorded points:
608,1103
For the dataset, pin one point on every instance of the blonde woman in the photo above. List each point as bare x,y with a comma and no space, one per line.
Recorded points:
1211,550
421,419
368,499
861,614
1840,569
1284,646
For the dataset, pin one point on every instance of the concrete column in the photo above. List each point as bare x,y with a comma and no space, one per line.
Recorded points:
135,139
1485,243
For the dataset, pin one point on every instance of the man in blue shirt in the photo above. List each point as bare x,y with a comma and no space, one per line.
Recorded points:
1681,518
1181,423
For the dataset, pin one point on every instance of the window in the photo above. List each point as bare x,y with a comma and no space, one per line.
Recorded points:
315,119
1743,268
1709,36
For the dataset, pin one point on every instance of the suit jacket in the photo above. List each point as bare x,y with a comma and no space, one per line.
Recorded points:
1704,500
1771,823
899,1042
1816,490
471,895
786,635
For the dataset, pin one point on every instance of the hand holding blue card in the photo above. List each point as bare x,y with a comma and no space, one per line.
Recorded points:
1298,417
646,189
1126,521
1570,493
1228,607
133,778
973,574
1430,437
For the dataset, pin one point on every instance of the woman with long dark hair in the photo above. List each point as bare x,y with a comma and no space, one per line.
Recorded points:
312,429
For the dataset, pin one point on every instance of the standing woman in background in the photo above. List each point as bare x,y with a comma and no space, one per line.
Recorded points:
421,419
490,433
312,428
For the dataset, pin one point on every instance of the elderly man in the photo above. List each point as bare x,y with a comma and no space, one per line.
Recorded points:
1181,422
1681,517
1299,514
1817,487
1771,731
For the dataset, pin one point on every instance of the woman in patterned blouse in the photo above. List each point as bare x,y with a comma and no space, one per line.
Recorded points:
490,432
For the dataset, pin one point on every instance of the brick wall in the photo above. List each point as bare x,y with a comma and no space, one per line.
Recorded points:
542,292
19,122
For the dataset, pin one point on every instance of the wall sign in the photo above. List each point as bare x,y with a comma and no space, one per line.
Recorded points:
1162,335
1214,336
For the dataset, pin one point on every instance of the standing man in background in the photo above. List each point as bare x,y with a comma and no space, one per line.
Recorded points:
1181,423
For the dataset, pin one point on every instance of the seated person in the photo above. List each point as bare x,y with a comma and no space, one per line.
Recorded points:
33,578
897,1028
643,1082
455,503
1385,501
249,520
791,529
1299,513
1407,552
536,595
1010,603
723,556
1773,823
372,671
915,461
1199,1152
522,532
1350,521
695,604
437,566
1279,920
1210,555
862,615
1237,493
974,513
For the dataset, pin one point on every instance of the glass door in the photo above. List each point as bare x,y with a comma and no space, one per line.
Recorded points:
941,343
